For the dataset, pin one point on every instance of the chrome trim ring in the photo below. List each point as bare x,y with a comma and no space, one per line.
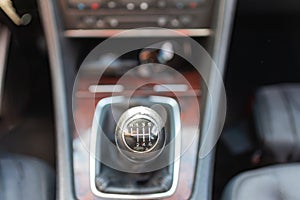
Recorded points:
177,148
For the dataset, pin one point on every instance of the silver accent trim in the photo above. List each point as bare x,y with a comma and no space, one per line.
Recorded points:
171,88
4,42
176,166
64,176
202,188
105,88
200,32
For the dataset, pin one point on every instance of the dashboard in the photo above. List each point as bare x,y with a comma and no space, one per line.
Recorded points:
190,16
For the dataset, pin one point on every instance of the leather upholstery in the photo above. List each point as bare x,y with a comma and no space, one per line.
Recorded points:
277,119
279,182
25,178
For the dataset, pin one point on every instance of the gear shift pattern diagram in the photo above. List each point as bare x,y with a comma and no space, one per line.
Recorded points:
140,134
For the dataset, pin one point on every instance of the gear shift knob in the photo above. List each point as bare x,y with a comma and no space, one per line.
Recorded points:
140,134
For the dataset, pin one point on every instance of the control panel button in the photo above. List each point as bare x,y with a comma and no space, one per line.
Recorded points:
162,21
81,6
144,6
179,5
95,6
100,23
111,4
175,23
186,20
89,20
113,22
130,6
193,5
162,4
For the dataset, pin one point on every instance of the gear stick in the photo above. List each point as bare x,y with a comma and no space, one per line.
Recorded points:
140,134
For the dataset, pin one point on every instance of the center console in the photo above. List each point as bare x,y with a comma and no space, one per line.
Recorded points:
137,125
137,114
